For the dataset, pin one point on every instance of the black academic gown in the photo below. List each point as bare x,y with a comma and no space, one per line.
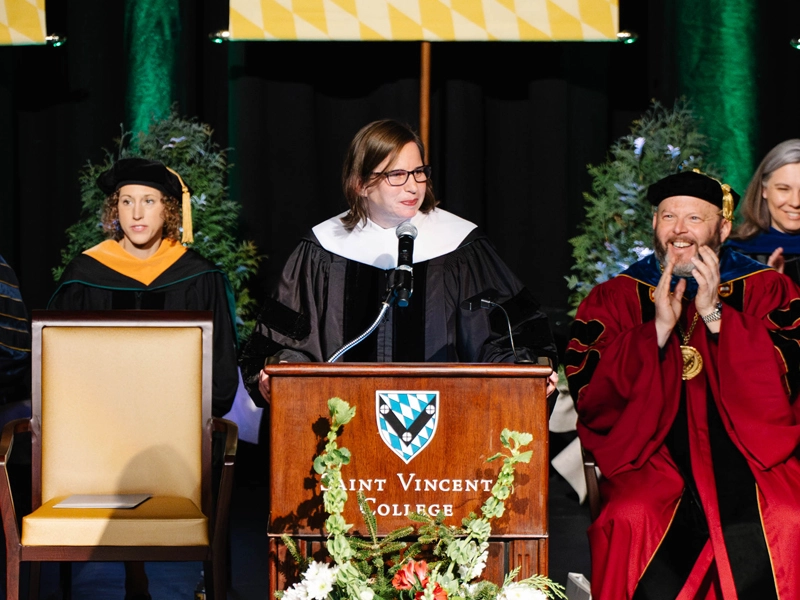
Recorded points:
191,283
324,300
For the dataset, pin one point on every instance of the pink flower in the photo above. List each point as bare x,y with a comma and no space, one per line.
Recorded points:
412,574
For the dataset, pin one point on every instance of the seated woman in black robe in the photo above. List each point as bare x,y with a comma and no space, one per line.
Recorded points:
770,232
333,284
143,265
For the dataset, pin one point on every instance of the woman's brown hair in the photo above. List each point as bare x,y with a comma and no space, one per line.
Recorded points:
373,144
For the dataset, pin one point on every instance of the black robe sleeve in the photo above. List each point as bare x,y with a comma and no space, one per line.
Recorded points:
482,334
15,339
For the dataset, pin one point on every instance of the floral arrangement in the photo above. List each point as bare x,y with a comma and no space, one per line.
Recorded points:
387,568
617,230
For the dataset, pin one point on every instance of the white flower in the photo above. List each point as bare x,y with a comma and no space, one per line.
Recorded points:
638,144
296,592
520,591
319,579
174,141
641,250
673,151
366,594
469,573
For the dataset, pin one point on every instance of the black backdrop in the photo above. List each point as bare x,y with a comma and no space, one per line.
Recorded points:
513,125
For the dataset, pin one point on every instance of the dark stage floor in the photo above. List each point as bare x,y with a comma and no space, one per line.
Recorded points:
104,581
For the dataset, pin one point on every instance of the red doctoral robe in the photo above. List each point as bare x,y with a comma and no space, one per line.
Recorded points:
628,394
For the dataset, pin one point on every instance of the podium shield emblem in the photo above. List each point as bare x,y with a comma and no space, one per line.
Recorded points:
407,420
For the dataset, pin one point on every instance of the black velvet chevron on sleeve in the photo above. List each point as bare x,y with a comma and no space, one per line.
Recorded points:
581,363
787,341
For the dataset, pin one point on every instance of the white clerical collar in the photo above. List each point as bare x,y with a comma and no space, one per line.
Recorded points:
439,232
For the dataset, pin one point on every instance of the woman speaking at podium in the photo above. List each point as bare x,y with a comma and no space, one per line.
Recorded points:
347,268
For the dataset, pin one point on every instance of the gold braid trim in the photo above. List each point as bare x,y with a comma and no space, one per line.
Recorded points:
186,210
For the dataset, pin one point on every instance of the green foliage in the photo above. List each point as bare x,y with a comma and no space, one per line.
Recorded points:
617,230
295,553
184,145
374,556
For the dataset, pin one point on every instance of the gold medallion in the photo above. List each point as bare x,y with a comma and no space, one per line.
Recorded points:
692,362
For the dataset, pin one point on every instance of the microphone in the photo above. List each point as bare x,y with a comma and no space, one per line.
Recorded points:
403,276
486,300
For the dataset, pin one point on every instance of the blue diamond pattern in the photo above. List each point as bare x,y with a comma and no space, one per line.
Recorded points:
407,407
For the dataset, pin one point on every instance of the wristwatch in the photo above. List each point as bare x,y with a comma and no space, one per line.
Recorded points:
716,315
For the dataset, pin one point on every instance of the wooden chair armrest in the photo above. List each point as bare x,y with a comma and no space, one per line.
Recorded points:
220,527
231,431
7,440
592,482
9,513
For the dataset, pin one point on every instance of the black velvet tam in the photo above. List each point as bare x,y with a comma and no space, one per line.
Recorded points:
140,171
689,183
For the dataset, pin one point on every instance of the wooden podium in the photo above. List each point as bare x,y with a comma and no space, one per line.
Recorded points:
463,409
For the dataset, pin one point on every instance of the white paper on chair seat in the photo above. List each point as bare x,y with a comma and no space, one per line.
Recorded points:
103,501
578,587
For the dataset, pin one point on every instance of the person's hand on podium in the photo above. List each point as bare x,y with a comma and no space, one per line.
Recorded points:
263,382
552,382
263,385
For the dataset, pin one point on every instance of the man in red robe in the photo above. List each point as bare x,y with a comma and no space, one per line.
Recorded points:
685,373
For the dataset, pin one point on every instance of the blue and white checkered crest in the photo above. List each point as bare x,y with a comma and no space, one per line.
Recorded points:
407,420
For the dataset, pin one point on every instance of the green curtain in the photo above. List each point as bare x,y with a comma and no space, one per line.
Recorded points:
716,60
152,34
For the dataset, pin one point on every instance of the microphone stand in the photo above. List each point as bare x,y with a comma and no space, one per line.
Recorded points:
400,288
486,303
385,305
485,300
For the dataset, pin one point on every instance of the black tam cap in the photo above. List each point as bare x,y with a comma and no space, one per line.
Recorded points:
140,171
698,185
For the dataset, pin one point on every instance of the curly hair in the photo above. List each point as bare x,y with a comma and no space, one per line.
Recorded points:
110,217
373,144
755,209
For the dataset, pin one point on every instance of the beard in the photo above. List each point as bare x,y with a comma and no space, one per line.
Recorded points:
683,269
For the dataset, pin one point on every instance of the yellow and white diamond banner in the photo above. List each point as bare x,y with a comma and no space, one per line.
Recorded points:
433,20
22,22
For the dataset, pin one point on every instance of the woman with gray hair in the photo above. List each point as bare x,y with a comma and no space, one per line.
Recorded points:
770,232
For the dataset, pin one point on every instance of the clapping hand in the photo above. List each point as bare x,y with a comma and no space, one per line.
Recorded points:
776,260
706,272
668,304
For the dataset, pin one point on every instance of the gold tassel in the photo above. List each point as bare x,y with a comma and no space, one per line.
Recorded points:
727,197
186,211
727,202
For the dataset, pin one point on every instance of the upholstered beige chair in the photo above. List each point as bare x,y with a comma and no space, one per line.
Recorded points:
121,405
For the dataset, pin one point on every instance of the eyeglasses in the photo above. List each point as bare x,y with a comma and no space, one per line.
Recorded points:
398,177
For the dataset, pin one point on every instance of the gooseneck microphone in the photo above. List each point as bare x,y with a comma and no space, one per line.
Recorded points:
401,284
486,300
403,276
